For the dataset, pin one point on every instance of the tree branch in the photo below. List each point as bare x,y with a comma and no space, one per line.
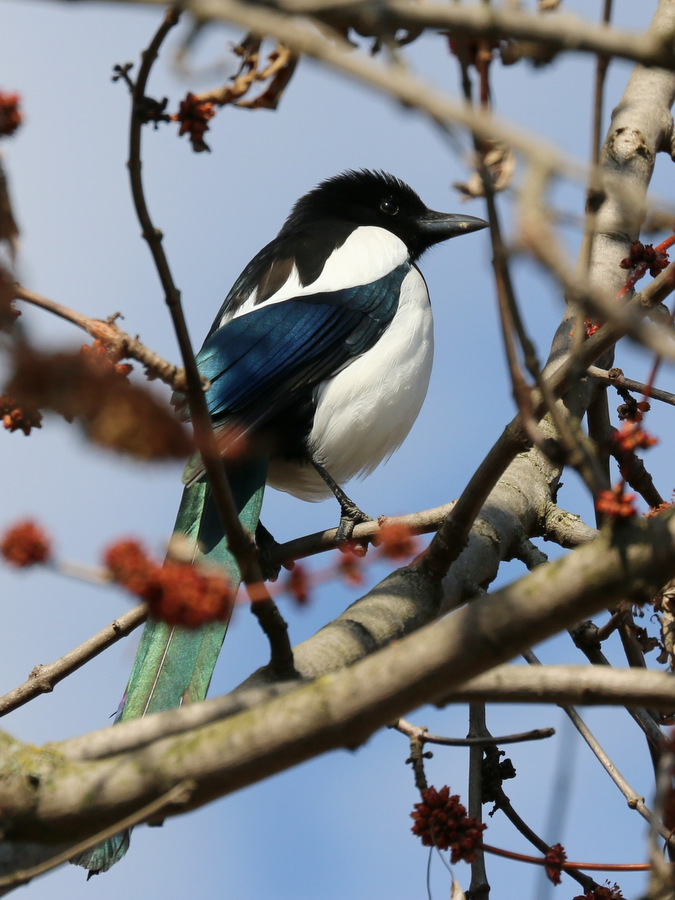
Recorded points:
635,801
561,32
111,335
43,679
338,710
615,378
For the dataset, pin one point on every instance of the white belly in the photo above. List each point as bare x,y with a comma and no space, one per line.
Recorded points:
364,413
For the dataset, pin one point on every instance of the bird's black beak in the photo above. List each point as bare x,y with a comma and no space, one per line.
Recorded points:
436,226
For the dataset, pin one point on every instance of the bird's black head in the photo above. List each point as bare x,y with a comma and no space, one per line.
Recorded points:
376,198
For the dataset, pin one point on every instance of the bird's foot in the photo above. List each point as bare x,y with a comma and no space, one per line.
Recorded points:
350,517
266,545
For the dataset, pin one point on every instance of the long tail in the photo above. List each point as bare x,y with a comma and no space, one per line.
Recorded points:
175,665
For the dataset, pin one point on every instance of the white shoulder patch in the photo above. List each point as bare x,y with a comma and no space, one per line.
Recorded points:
368,253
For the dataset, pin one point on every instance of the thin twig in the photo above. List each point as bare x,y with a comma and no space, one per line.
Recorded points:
609,627
109,333
423,522
238,541
509,314
642,717
636,475
407,728
635,801
480,886
275,628
577,452
43,679
568,865
602,62
503,803
451,537
417,757
615,378
601,433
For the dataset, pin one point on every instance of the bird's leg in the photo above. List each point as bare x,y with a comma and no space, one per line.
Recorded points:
350,514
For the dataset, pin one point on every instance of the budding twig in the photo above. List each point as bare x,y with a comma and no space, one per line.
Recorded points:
111,336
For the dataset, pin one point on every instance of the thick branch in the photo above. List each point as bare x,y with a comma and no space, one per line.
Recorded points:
559,32
63,797
582,685
562,32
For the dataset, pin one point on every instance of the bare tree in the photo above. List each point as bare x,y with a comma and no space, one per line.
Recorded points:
430,631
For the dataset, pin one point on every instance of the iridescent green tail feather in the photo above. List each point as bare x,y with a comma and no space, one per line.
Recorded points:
175,665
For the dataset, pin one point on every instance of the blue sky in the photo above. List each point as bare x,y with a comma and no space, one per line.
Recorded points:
337,826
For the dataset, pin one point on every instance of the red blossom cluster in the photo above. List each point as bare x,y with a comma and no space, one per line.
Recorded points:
176,592
441,821
18,418
349,563
194,116
631,437
633,410
555,857
128,565
298,584
602,892
355,549
25,544
616,504
104,359
91,388
397,541
10,114
645,258
655,510
590,326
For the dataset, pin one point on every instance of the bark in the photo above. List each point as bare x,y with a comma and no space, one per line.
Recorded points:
48,793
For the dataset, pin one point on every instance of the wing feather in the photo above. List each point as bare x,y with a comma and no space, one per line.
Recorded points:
257,362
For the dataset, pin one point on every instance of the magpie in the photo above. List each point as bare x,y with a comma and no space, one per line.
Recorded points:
324,344
317,365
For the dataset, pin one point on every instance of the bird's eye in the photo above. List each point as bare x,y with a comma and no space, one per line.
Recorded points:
389,206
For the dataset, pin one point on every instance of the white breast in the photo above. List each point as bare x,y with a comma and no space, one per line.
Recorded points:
364,413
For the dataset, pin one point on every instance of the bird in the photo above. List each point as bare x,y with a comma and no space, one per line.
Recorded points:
318,360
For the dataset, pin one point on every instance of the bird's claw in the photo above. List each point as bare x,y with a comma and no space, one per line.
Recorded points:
350,517
266,546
